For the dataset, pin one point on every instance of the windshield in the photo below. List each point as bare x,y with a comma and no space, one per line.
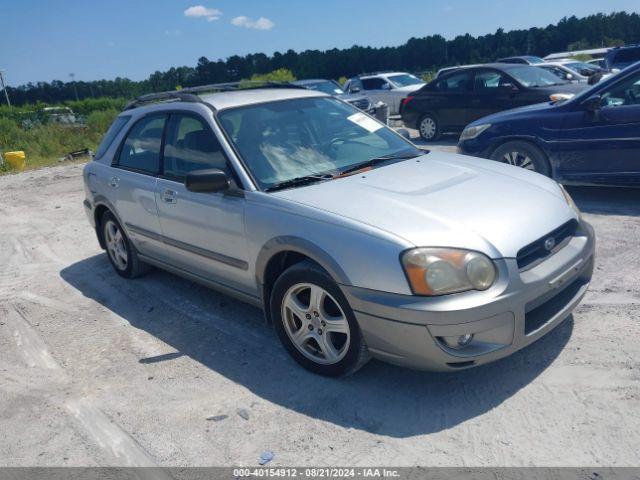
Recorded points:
325,86
534,77
284,140
404,80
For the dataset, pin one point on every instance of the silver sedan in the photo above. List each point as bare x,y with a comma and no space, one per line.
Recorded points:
353,241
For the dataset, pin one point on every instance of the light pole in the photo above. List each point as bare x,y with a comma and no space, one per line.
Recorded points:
75,90
4,87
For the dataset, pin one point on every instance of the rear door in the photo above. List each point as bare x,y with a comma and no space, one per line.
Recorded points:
604,146
133,184
204,232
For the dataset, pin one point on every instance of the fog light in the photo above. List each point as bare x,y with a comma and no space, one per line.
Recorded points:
464,340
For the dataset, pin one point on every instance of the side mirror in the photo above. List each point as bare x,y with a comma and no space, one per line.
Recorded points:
593,103
210,180
386,86
569,76
404,132
355,90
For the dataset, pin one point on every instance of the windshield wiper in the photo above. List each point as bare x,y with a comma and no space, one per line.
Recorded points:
298,181
375,161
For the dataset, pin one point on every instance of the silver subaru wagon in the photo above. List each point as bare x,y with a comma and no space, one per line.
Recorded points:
354,242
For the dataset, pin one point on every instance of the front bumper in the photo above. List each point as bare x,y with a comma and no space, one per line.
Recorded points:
521,307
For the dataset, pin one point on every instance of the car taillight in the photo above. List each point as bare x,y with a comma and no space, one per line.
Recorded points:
406,100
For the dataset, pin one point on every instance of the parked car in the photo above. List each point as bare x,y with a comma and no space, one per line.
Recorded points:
390,88
450,102
619,58
590,139
563,72
521,60
578,71
61,115
333,88
353,241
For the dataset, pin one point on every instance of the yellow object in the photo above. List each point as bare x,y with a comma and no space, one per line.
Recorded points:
17,159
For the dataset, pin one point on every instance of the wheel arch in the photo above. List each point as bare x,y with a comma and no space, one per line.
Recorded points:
101,206
280,253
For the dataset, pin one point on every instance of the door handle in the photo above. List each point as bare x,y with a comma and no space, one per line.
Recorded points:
114,181
169,196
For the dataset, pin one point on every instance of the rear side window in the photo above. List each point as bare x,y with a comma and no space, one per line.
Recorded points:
111,134
190,146
456,82
141,149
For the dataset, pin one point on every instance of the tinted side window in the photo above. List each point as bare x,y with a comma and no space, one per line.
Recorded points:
191,145
373,83
489,80
456,82
141,149
111,134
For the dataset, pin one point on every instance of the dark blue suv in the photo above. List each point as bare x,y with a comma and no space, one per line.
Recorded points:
593,138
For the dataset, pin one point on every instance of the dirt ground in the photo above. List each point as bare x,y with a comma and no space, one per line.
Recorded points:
97,370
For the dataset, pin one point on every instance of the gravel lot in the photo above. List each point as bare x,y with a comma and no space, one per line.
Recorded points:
97,370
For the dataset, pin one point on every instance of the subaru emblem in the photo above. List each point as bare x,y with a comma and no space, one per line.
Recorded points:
549,243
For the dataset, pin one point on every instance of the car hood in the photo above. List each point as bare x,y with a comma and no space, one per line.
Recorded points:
515,113
410,88
574,88
442,199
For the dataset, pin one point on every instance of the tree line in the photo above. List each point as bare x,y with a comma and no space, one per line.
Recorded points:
416,55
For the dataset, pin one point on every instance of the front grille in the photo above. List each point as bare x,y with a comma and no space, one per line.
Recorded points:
529,256
361,103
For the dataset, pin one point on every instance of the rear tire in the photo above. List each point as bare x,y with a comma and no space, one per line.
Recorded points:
524,155
315,323
429,128
121,252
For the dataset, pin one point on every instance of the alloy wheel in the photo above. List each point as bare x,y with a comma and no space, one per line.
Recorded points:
116,245
518,159
315,323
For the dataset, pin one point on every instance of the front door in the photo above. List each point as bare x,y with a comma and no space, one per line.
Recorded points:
603,146
493,91
203,232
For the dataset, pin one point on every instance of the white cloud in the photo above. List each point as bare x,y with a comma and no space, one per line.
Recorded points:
200,11
262,23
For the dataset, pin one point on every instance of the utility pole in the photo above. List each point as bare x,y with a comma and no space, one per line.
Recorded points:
4,87
75,90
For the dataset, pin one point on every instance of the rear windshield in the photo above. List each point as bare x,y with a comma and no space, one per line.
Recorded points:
111,134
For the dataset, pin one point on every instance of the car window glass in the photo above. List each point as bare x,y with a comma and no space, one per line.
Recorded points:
190,146
557,71
141,149
626,92
286,139
490,80
373,83
456,82
111,134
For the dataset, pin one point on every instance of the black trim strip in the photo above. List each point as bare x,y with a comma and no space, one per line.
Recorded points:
218,257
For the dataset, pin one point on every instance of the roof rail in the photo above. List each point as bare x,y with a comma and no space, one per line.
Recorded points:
189,94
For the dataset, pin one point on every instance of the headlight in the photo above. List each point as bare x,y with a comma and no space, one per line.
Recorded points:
570,201
470,133
438,271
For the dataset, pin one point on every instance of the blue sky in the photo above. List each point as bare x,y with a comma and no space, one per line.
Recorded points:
48,39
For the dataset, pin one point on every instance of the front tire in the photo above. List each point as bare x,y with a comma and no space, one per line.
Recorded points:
122,255
315,323
524,155
429,128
